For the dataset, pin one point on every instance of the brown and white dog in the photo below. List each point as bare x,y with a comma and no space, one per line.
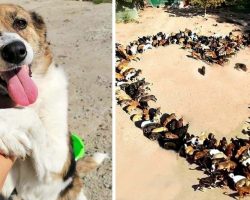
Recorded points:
33,114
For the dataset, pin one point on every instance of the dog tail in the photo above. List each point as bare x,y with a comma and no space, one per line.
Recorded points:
90,163
81,196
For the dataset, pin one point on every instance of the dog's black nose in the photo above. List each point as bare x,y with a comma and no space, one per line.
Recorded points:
14,52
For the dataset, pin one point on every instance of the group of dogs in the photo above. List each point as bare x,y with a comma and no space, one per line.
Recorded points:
226,163
211,49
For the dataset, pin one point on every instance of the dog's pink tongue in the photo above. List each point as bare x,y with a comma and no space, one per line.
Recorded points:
21,87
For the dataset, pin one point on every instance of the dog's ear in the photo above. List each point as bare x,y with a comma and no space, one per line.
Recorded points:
39,24
41,30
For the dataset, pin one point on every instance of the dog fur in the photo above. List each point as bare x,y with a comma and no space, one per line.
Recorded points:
38,134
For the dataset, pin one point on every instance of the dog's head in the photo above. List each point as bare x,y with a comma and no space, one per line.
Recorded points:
23,51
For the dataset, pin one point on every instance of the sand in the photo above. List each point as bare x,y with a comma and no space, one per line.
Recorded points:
145,171
80,36
217,102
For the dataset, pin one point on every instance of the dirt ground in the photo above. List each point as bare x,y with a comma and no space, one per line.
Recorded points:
80,36
217,102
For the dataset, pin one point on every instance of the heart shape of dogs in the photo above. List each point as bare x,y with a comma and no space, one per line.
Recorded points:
222,159
204,101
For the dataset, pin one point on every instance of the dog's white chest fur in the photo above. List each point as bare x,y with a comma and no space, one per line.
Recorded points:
45,123
52,106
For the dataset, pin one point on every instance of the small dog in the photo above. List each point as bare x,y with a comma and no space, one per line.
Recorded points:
33,114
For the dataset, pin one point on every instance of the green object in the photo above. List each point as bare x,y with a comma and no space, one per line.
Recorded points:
78,146
156,3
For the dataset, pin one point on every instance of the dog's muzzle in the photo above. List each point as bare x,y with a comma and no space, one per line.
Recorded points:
16,56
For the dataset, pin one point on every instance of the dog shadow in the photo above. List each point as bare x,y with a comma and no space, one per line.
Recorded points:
232,195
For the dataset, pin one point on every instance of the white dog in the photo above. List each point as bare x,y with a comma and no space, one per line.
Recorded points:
33,114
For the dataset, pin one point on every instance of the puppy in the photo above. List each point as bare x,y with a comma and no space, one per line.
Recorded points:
33,114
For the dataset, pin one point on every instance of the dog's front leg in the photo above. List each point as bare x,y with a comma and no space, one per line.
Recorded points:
22,134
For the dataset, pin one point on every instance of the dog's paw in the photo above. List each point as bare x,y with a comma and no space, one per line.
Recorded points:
14,143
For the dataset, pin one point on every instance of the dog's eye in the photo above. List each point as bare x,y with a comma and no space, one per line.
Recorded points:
20,24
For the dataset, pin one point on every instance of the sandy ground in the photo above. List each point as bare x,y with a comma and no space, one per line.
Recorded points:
80,35
217,102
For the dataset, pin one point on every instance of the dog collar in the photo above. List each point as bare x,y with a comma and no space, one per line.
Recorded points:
78,146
